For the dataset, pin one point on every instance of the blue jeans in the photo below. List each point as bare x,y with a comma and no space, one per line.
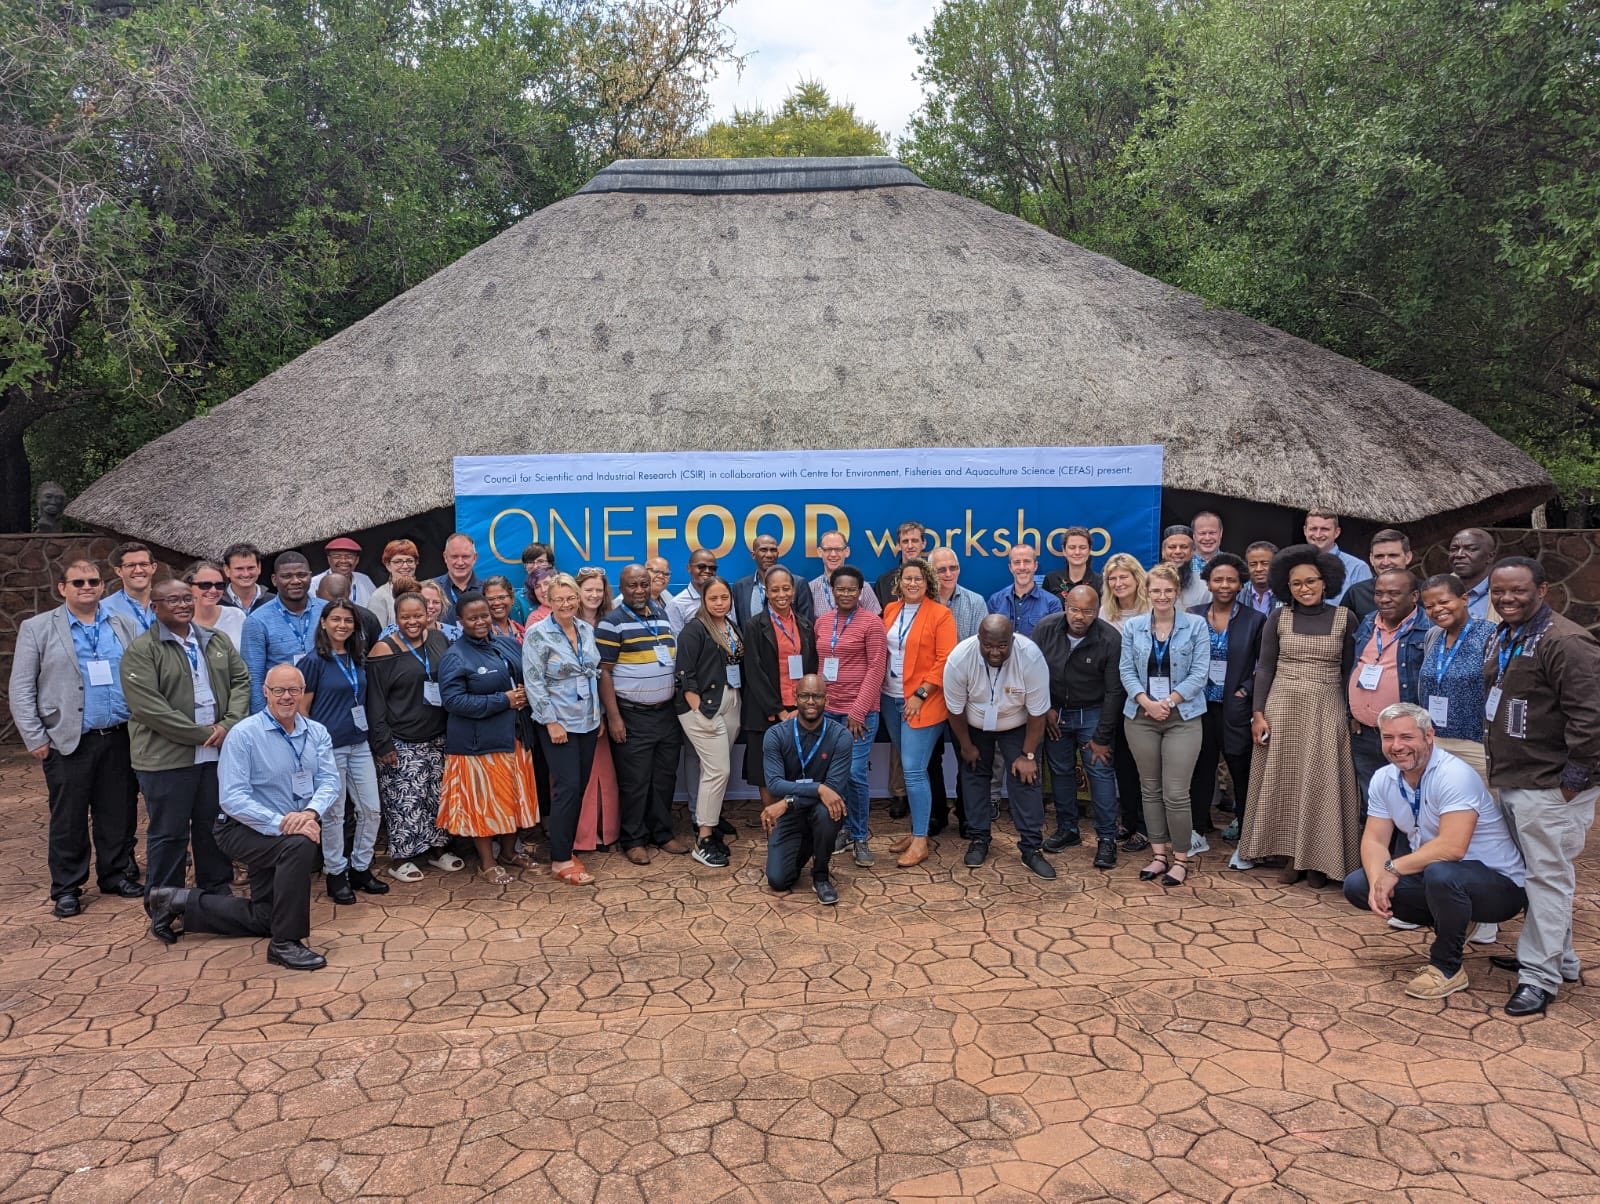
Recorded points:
858,801
916,746
1077,729
1449,897
358,775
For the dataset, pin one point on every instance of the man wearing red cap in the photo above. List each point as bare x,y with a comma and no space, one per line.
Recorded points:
344,554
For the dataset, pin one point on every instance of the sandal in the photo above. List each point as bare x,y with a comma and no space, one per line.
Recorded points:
519,859
497,876
575,874
406,871
444,859
1180,866
1157,867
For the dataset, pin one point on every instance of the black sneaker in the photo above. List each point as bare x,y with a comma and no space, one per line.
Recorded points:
710,851
724,828
827,893
1035,861
977,853
1063,839
1105,855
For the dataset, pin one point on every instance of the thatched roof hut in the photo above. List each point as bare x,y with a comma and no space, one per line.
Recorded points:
741,304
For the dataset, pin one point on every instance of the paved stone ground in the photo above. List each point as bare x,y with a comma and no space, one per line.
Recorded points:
678,1034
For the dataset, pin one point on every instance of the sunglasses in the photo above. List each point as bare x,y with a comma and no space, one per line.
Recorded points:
216,585
83,582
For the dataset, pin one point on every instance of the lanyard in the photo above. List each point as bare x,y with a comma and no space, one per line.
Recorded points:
142,615
300,624
1415,804
651,623
733,640
1377,632
1445,657
1159,647
994,680
191,649
91,632
450,588
787,634
804,757
903,620
827,592
574,641
347,666
422,657
834,646
299,753
1509,649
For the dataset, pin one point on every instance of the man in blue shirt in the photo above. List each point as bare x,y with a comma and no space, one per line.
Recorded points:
285,629
1471,552
1023,602
276,779
136,567
1322,532
807,762
67,703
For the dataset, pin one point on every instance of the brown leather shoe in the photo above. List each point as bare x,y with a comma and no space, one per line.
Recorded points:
674,846
901,844
916,853
638,856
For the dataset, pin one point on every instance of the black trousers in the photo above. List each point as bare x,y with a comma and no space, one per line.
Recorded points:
1449,897
1366,754
182,805
570,766
1026,802
92,791
1203,786
805,833
1130,797
647,772
279,905
939,812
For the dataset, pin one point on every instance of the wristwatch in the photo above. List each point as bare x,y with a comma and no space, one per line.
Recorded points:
1027,756
921,692
1388,864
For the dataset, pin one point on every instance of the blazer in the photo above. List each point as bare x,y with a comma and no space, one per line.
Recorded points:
1190,662
159,687
762,698
702,668
1244,646
929,643
46,686
744,599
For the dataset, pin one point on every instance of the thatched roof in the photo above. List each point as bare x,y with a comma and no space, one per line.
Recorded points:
862,310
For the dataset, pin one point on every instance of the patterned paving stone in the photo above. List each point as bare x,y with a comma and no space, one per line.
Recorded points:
679,1034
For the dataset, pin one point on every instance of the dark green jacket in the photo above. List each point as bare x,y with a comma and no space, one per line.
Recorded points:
159,687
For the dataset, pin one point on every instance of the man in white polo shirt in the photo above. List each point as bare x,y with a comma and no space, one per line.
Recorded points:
1463,867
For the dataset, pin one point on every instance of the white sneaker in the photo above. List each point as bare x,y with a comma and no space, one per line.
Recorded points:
1198,844
1237,862
1484,934
1397,922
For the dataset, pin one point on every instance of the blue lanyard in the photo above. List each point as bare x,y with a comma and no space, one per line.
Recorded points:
834,646
732,633
192,651
778,623
301,625
651,623
902,623
91,632
347,666
576,644
1445,658
806,758
422,657
143,616
1415,804
1159,647
1507,650
1377,633
299,753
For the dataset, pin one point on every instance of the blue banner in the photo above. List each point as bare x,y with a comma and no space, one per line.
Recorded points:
613,510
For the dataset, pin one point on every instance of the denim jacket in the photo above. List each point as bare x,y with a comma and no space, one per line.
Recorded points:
1408,656
563,684
1189,661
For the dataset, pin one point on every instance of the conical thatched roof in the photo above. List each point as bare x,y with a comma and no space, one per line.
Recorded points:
739,304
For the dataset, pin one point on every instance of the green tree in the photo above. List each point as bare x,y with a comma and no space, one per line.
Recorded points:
808,124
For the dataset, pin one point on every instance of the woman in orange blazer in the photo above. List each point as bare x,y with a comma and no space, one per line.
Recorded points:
921,633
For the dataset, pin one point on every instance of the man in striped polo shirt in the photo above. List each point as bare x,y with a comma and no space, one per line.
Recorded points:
637,652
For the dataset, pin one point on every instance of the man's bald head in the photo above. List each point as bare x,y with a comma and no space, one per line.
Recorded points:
334,587
1082,607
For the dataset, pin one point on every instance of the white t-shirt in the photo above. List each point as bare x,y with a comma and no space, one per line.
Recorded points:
230,621
1448,784
894,681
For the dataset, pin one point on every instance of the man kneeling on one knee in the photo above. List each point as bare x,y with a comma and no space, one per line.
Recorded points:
276,779
807,759
1463,867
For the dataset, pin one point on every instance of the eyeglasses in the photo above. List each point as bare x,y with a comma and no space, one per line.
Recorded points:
137,564
409,562
83,582
661,573
285,691
1305,583
208,585
945,570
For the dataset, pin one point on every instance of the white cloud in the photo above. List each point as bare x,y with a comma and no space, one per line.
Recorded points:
860,50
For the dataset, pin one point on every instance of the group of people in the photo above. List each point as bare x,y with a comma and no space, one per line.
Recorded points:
280,728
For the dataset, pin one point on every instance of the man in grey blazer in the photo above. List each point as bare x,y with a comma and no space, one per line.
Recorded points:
67,703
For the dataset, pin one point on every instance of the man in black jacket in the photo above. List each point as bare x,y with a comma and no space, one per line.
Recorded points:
1086,697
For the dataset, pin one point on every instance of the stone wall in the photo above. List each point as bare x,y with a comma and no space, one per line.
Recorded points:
28,567
1571,558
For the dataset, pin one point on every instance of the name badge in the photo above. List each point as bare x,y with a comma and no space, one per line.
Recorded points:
663,655
1218,672
1160,688
1370,676
734,676
830,668
991,717
430,694
205,714
99,673
1491,704
1438,709
297,658
797,668
803,782
303,784
358,716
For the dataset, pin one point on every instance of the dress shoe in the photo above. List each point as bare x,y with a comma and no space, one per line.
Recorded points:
639,856
339,889
1528,1000
1063,839
67,906
124,890
1105,855
674,846
367,882
977,853
1503,962
916,853
827,893
1035,861
899,807
292,955
164,904
901,843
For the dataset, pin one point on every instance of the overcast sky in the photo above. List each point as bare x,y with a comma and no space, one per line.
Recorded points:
859,49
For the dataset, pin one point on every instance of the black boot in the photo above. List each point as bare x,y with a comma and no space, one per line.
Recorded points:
364,882
899,807
339,889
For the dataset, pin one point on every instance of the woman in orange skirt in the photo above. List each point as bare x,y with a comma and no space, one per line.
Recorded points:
488,791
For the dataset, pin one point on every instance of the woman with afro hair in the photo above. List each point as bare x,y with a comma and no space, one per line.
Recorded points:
1303,802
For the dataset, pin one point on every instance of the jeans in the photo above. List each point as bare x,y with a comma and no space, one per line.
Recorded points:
1551,831
1366,753
1166,753
1077,729
1449,897
859,799
358,774
1026,800
570,766
916,745
805,833
182,805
